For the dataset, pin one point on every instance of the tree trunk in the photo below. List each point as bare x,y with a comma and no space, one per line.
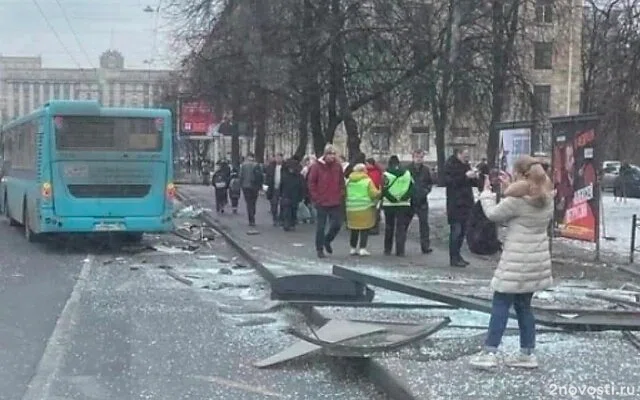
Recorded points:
504,35
337,61
440,129
353,137
303,129
260,125
440,104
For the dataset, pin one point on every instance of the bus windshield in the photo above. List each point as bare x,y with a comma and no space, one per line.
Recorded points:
89,133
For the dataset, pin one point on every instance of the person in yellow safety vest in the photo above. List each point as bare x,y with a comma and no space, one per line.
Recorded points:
362,194
396,204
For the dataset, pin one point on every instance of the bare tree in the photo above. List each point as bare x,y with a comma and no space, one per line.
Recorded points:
611,76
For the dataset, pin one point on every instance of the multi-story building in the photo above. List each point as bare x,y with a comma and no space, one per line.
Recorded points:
25,85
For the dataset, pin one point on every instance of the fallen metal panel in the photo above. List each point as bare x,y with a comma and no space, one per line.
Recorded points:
319,287
367,350
333,331
578,322
361,304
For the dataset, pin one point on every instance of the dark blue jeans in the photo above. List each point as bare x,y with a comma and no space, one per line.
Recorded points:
456,238
334,216
500,307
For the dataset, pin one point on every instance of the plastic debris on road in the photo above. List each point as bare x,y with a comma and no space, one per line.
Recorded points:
189,212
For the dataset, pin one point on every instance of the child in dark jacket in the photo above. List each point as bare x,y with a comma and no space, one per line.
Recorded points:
235,189
220,182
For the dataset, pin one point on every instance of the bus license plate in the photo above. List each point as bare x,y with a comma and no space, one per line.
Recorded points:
108,227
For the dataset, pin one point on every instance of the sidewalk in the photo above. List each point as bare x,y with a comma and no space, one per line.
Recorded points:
295,252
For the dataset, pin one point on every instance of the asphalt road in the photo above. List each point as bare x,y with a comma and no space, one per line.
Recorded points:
35,283
107,326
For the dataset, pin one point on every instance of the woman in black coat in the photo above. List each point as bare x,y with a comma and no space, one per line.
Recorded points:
292,192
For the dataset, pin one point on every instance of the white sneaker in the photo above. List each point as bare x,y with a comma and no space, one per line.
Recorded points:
522,361
353,252
364,252
484,360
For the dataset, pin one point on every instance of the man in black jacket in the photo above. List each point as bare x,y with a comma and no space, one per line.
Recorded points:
459,179
419,203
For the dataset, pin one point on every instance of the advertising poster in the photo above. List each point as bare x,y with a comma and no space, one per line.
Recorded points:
513,144
196,118
575,178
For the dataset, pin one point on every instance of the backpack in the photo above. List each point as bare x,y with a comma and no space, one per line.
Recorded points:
235,186
482,234
219,181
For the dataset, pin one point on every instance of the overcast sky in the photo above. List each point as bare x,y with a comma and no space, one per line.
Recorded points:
99,25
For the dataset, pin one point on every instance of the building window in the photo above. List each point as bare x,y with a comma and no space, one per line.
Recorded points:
147,99
27,98
46,89
123,94
16,100
544,11
420,138
382,103
37,100
380,138
543,55
542,98
67,91
56,91
460,132
112,94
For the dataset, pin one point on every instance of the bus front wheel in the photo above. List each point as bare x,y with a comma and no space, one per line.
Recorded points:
132,237
31,236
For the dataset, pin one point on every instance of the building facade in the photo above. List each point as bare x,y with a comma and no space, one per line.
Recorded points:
25,85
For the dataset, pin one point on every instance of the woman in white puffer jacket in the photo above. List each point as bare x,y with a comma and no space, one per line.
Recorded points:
525,263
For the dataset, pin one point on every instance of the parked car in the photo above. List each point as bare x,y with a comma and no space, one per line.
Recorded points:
610,171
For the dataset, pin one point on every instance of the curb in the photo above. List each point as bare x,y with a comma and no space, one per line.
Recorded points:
383,379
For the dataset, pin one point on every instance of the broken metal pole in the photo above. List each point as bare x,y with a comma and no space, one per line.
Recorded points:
591,321
614,299
361,304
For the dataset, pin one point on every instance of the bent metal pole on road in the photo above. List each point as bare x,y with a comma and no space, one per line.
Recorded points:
576,320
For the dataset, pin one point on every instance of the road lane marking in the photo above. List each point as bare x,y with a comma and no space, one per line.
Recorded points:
238,385
39,387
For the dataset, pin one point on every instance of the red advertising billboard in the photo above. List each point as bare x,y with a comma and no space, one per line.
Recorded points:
575,177
196,117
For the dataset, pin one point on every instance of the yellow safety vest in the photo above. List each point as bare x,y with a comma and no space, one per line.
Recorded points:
358,198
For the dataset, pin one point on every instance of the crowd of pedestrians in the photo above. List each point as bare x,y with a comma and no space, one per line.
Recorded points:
326,190
330,193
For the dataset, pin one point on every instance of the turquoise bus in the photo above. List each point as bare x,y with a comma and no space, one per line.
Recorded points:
78,167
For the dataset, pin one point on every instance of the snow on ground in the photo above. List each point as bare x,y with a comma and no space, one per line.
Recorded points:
615,223
615,226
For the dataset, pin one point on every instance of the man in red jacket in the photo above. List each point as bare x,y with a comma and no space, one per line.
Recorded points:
327,189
